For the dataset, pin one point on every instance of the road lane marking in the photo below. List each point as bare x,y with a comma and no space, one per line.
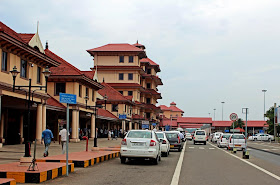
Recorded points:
211,148
176,175
274,149
201,147
251,164
191,147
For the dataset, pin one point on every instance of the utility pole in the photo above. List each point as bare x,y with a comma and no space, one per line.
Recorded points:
214,113
222,110
264,91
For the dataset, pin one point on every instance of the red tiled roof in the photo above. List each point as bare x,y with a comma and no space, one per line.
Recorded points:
256,123
240,129
89,74
194,120
4,28
111,93
26,37
53,102
190,125
116,47
150,106
164,107
129,97
172,123
105,113
173,103
147,60
175,109
221,123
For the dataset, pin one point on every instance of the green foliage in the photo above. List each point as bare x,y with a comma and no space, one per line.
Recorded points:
238,123
270,121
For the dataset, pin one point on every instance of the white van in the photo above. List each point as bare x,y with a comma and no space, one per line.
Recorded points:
199,137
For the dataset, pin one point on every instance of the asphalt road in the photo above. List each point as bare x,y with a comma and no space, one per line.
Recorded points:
202,164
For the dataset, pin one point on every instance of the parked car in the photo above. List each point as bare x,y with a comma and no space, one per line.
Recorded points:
216,136
188,136
140,144
165,145
261,137
199,137
223,140
174,140
236,140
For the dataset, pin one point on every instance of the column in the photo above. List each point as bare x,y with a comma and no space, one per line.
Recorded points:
74,136
21,129
135,126
44,117
123,126
2,127
78,125
39,123
130,125
92,129
109,128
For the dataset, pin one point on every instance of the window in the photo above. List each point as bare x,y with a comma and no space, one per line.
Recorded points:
130,93
148,100
92,96
121,59
148,114
4,61
130,59
120,76
23,69
140,134
130,76
114,107
80,90
39,75
149,71
121,92
59,88
148,85
87,92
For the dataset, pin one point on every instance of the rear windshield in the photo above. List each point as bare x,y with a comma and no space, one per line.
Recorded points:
226,136
200,133
238,137
171,135
139,134
160,135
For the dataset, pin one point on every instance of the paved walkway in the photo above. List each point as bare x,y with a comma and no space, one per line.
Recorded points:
12,153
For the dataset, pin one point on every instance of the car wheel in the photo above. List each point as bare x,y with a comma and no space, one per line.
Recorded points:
180,149
194,142
123,159
269,139
255,139
155,161
205,143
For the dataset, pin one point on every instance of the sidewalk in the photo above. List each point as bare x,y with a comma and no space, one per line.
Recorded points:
12,153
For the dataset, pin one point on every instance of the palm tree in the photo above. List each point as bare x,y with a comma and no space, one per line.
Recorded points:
238,123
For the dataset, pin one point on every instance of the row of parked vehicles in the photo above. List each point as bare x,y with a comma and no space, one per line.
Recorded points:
149,144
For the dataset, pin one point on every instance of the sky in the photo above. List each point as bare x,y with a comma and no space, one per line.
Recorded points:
209,51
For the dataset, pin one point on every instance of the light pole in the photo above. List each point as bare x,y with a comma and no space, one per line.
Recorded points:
222,110
214,113
245,111
105,99
209,114
264,91
14,73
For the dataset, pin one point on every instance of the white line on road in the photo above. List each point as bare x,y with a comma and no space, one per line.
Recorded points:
191,147
211,148
251,164
274,149
201,147
176,175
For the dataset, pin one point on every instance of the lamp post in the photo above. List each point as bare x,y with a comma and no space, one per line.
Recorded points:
105,99
209,114
14,73
214,113
245,111
264,91
222,110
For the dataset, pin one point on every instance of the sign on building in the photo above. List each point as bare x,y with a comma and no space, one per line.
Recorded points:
67,98
122,116
145,124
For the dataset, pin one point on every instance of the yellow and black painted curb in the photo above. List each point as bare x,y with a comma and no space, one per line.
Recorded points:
9,182
37,177
85,163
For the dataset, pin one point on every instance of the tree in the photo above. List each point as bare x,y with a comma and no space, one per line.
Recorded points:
270,121
238,123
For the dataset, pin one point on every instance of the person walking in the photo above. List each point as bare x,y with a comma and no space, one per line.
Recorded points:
63,138
109,134
47,136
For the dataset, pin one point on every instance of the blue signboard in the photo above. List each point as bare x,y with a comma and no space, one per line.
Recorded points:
226,130
122,116
67,98
261,131
145,126
167,127
154,124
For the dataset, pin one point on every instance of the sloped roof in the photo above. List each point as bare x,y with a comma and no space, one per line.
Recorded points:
26,37
147,60
111,93
116,47
172,123
194,120
190,125
53,102
4,28
89,74
171,108
253,123
106,114
164,107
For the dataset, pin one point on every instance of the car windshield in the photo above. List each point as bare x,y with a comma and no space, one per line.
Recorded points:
160,135
238,137
171,135
139,134
226,136
200,133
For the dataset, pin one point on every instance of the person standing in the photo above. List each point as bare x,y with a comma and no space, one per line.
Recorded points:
63,138
47,136
109,134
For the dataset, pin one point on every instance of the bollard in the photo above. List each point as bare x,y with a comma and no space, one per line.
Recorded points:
245,154
85,137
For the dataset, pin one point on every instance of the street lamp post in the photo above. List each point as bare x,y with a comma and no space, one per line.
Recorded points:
264,91
214,113
105,99
222,110
14,73
245,111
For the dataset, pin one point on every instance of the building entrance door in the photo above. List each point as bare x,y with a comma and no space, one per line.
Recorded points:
13,126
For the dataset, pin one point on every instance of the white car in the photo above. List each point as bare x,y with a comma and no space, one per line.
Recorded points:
236,140
216,136
199,137
188,136
165,145
261,137
140,144
223,140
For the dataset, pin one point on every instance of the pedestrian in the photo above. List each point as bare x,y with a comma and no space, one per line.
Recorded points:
109,134
47,136
112,134
63,138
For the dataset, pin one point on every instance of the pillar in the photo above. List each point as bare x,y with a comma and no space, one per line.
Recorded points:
74,126
109,128
44,117
39,123
123,126
135,126
92,129
78,124
130,125
2,127
21,128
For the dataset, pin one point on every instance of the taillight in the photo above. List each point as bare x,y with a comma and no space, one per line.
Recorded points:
179,139
193,137
221,138
153,143
164,142
124,142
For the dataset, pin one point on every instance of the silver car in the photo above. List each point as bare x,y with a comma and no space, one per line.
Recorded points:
223,140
